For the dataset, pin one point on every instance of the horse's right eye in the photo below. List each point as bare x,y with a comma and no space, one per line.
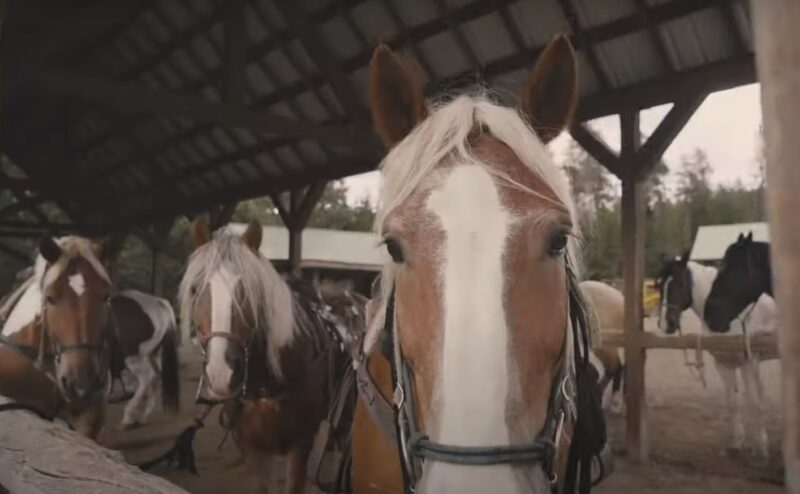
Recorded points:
51,300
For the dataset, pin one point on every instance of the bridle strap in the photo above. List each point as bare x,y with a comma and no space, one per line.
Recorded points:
414,446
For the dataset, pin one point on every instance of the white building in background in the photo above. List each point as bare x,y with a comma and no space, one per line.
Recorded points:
711,241
326,254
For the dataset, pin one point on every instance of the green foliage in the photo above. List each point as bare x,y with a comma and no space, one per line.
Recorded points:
672,218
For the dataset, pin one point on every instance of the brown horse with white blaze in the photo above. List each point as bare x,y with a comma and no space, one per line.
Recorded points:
54,341
486,332
268,355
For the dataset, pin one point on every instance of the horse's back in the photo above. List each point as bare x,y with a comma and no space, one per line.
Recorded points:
608,303
142,320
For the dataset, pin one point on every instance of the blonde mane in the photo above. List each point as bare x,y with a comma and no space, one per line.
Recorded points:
263,291
445,136
73,248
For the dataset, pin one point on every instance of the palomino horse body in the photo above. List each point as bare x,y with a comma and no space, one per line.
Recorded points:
685,284
479,311
269,356
144,343
55,338
608,305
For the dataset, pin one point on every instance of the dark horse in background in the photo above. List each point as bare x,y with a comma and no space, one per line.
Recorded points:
745,274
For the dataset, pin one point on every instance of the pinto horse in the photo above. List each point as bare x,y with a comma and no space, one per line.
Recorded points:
685,284
144,342
745,275
54,342
479,332
269,356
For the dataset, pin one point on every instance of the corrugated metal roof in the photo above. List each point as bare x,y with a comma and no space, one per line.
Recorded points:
323,247
305,60
711,241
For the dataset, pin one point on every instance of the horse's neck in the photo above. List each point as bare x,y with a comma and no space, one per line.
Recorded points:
702,279
765,267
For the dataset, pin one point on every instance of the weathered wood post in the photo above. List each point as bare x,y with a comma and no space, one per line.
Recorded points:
777,41
633,235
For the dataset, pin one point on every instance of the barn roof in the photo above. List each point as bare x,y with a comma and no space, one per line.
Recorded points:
711,241
125,113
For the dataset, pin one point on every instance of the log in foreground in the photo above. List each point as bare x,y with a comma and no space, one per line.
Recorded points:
40,457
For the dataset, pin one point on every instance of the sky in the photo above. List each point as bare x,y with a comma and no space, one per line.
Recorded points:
725,127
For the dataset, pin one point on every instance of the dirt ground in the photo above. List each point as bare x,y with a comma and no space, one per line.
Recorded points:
687,430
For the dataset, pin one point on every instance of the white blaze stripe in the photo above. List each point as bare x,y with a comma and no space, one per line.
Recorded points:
77,283
219,372
474,381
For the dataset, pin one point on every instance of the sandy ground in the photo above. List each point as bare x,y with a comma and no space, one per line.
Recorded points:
687,430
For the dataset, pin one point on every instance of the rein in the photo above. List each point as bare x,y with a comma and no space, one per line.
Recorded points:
414,446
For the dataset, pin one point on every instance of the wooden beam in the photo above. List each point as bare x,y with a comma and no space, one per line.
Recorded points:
235,52
444,12
571,14
136,98
777,42
707,79
655,37
597,149
666,132
311,197
765,345
634,194
90,21
13,252
323,57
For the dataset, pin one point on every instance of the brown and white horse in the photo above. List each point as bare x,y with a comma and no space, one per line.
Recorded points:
144,343
269,356
54,345
479,299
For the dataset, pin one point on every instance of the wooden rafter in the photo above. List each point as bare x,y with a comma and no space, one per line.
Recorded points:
11,251
574,21
322,56
655,37
596,147
702,80
136,98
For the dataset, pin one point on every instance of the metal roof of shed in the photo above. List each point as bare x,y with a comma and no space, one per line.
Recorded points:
129,112
711,241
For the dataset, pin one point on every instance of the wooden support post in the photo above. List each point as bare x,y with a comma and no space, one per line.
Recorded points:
295,215
778,56
633,235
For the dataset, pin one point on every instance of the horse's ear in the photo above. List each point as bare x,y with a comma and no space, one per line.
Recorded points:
109,248
200,231
252,236
740,238
550,94
685,257
50,250
396,96
749,237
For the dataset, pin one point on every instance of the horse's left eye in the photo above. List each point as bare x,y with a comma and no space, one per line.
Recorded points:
51,300
558,245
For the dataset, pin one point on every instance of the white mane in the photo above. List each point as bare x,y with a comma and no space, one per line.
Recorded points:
445,135
263,290
27,300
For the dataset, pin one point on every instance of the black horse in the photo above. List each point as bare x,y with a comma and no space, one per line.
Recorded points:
744,276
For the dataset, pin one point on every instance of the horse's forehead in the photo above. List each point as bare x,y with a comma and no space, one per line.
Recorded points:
78,273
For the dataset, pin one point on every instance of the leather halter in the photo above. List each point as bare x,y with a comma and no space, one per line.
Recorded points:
243,345
414,446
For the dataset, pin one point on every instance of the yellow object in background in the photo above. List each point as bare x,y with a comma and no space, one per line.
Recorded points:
650,297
